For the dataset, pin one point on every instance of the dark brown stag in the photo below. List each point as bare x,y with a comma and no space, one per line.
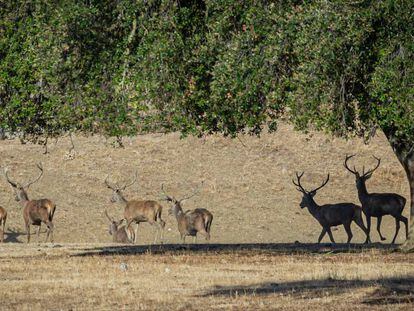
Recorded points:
190,222
138,211
330,215
378,204
35,212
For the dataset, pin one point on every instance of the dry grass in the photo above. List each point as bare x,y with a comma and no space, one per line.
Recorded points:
295,278
248,189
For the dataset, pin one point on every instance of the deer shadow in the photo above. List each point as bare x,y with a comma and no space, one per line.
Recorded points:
271,248
11,236
388,290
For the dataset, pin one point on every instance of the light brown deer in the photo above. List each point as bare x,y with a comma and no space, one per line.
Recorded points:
3,218
119,234
137,211
190,222
35,212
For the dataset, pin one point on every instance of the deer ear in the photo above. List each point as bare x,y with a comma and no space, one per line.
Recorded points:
368,176
312,193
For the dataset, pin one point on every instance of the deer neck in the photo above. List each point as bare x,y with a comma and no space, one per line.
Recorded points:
121,199
313,208
362,192
23,198
178,212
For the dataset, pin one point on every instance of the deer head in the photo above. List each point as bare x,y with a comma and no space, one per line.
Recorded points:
307,199
113,227
20,190
176,204
360,179
117,195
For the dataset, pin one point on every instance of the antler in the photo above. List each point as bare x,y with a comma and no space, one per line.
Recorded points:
8,179
321,186
166,197
131,183
107,216
354,171
372,171
195,192
108,185
298,185
40,167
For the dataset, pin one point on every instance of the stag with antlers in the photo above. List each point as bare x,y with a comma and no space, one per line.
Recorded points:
3,218
190,222
138,211
119,234
378,204
35,212
330,215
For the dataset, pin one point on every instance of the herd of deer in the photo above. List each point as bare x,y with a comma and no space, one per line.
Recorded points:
373,205
36,212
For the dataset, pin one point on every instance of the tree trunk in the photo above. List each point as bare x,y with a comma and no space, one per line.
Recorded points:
409,169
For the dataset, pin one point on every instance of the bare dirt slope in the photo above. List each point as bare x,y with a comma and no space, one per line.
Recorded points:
247,183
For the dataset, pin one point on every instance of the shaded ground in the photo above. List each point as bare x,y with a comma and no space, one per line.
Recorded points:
217,277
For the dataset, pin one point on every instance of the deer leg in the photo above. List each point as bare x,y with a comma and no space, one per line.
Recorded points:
379,219
330,235
28,232
368,228
156,232
321,235
397,228
360,224
51,234
47,234
161,225
404,220
136,231
38,232
347,227
2,231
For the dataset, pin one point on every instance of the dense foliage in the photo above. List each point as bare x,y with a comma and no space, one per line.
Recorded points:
122,67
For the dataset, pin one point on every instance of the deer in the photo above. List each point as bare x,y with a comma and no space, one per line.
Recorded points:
330,215
378,204
119,234
138,211
35,212
190,222
3,218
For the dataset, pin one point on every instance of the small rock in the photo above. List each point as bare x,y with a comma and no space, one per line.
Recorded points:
123,266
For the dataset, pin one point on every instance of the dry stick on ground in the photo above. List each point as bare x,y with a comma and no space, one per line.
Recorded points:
3,218
138,210
34,211
190,222
378,204
119,234
330,215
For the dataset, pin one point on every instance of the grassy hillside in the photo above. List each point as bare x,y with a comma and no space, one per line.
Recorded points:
247,183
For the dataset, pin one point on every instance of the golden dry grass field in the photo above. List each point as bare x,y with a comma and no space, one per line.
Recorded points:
252,261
